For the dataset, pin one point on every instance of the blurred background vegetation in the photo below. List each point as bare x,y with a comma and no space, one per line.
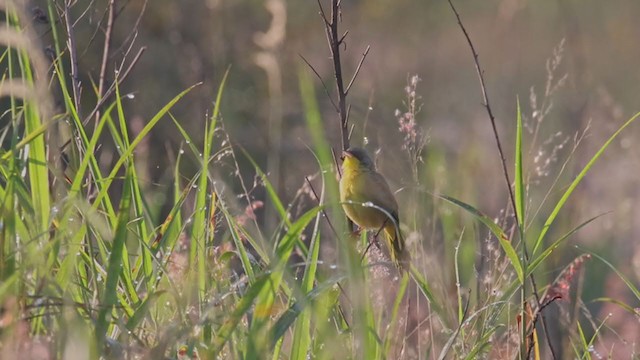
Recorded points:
594,44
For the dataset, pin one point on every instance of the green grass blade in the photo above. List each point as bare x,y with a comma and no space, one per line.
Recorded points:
243,306
545,254
577,181
38,170
395,310
199,238
301,341
497,232
114,269
144,132
624,279
519,184
239,244
273,195
265,300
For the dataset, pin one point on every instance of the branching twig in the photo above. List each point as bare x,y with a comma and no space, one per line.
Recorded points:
334,40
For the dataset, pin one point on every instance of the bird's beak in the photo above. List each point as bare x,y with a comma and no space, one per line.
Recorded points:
345,154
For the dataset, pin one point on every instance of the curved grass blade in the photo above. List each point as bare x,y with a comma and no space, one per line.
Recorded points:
537,261
126,154
110,296
624,279
577,181
287,319
265,301
301,340
496,230
203,212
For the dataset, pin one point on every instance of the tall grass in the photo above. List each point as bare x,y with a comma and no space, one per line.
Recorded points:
89,270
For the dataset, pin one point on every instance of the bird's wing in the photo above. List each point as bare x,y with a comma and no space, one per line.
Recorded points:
380,194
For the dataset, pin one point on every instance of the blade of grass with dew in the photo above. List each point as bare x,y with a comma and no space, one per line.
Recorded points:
83,140
138,207
110,297
198,235
301,340
265,300
597,330
143,133
395,310
302,332
577,181
120,138
497,232
186,136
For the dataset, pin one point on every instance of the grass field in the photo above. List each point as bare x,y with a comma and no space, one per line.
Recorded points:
99,259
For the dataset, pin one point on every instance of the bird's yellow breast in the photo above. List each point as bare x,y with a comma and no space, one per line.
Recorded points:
355,194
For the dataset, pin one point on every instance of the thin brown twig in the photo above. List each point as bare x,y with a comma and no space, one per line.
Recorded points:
71,45
105,53
322,14
539,315
324,86
134,30
355,74
95,32
492,119
333,229
112,88
374,241
487,106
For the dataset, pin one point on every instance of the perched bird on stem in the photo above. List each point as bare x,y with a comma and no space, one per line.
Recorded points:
369,202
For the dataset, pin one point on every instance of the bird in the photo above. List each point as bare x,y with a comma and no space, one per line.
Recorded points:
368,201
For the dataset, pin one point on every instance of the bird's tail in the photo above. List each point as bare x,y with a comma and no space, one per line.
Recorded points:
396,246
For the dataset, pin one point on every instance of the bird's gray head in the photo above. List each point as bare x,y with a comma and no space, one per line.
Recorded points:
361,155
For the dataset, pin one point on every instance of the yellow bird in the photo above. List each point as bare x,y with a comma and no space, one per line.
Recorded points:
369,202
